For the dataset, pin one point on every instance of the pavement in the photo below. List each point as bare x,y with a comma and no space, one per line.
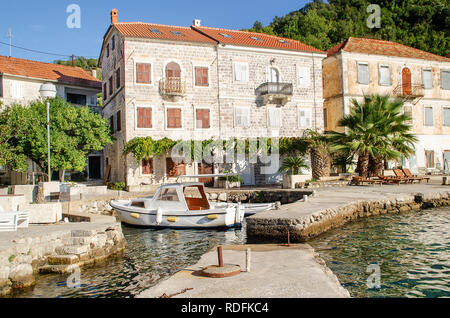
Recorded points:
276,271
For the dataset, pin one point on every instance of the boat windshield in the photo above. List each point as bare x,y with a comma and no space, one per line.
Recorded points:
196,198
169,194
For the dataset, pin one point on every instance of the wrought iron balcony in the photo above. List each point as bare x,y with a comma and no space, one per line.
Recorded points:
409,91
172,86
276,93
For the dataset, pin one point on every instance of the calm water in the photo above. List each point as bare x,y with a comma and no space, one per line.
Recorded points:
412,250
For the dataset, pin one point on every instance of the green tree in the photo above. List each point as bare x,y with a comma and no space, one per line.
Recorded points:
75,132
293,165
376,130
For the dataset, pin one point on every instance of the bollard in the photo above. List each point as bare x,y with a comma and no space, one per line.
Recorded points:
305,198
220,256
289,238
249,258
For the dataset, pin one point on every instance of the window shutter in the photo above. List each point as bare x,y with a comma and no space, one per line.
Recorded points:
240,72
147,166
427,78
274,117
446,116
242,117
385,75
119,121
428,116
445,79
174,118
144,115
105,91
118,78
304,77
203,118
304,117
1,86
111,85
407,110
363,73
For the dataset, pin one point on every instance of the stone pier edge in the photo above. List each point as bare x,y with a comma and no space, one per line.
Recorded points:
309,226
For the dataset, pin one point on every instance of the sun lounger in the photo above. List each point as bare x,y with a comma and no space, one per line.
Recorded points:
8,222
401,175
21,219
357,180
409,174
392,180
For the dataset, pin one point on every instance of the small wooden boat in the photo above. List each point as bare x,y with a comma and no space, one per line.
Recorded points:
183,205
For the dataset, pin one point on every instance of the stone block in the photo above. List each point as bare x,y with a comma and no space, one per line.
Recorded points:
45,213
29,191
21,276
67,250
12,202
58,269
83,233
62,259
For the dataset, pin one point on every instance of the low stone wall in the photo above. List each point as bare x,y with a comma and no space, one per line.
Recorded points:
306,227
257,196
58,251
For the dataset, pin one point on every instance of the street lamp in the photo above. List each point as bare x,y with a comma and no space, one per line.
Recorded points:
48,91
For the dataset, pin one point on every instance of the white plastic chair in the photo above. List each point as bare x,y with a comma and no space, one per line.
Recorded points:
8,222
22,219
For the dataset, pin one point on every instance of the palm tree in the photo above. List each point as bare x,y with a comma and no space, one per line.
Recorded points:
293,165
375,130
320,154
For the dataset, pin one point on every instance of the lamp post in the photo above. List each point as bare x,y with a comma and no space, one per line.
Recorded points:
48,91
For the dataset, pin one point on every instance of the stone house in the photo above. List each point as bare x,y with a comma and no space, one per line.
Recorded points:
359,66
200,83
20,81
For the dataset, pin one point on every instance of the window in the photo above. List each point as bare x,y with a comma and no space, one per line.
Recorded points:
111,86
241,117
118,78
143,73
446,116
177,33
256,38
119,121
445,79
111,123
304,118
363,73
428,116
174,118
105,91
241,72
144,117
77,99
407,110
274,117
201,76
147,166
113,43
325,118
173,70
155,31
274,75
427,78
226,35
202,118
107,50
16,90
1,86
173,169
168,194
385,75
429,158
304,76
283,41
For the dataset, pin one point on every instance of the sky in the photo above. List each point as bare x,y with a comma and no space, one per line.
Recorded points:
42,25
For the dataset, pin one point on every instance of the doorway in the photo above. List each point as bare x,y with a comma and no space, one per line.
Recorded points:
95,168
406,82
206,168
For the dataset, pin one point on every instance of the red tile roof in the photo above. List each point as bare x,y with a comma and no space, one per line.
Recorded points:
244,38
142,30
48,71
381,47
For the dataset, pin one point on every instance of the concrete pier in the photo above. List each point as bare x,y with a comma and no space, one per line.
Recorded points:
276,272
333,207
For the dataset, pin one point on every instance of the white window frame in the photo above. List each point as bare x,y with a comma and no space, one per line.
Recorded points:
15,87
301,84
193,74
235,117
304,108
379,74
136,62
166,118
423,79
357,72
136,106
268,117
432,112
246,80
195,117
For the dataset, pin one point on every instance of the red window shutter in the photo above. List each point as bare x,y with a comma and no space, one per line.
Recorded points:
205,76
144,115
174,118
147,166
202,119
198,76
143,73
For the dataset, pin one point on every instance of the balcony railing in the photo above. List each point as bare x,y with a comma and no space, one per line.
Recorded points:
275,93
274,88
409,91
173,86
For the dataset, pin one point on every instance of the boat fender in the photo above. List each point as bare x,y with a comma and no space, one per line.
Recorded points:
213,216
159,216
172,219
135,215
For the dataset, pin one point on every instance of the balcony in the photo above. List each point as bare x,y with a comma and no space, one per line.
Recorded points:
410,92
173,88
275,93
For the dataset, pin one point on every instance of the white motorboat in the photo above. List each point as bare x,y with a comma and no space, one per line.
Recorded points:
183,205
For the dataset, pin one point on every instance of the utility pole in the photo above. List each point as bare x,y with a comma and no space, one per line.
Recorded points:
10,36
73,60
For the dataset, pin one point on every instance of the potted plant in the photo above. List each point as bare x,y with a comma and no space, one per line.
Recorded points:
292,167
233,181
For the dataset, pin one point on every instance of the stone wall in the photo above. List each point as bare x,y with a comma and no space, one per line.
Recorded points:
56,252
306,227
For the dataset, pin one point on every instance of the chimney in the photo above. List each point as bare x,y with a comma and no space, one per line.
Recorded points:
197,22
94,72
114,16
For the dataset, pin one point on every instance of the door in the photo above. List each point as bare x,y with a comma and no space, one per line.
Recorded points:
274,76
247,171
406,82
95,168
206,168
446,161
